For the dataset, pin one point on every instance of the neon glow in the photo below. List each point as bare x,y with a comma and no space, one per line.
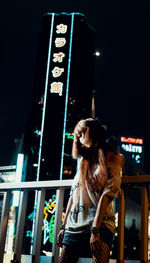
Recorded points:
136,157
46,231
48,225
45,95
38,133
132,148
60,42
69,135
28,233
43,118
49,208
131,140
66,101
61,29
57,72
33,214
57,87
58,57
51,228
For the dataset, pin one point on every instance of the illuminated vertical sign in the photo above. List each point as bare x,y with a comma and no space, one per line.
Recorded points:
56,91
133,146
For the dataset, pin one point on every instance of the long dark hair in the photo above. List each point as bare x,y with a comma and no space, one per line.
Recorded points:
93,158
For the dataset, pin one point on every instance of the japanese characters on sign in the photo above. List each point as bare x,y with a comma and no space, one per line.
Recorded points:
57,71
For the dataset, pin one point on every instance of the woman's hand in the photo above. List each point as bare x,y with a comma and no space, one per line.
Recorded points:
95,244
80,128
60,237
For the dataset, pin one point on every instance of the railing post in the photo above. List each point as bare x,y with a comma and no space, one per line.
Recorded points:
121,224
20,226
38,227
144,225
4,222
58,219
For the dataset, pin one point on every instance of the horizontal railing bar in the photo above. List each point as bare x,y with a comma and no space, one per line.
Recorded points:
137,179
57,184
54,184
10,167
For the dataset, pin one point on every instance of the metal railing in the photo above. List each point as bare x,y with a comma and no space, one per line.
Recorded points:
143,181
41,188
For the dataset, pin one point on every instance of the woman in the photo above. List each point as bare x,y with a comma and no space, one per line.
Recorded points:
88,226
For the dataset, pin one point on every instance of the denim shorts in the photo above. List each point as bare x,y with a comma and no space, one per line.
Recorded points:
81,242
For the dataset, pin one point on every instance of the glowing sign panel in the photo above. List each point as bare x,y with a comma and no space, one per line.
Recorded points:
48,220
133,146
59,43
69,135
136,158
131,140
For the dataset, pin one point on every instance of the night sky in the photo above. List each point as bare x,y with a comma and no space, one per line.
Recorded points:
121,74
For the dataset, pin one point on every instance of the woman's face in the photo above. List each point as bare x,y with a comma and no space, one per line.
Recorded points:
85,138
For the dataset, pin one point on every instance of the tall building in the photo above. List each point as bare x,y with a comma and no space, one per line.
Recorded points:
62,95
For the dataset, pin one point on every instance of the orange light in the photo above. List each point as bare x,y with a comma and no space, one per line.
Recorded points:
131,140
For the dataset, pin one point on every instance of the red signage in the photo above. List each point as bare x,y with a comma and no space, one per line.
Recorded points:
131,140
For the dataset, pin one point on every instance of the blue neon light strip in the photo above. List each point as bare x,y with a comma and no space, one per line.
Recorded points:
45,95
67,93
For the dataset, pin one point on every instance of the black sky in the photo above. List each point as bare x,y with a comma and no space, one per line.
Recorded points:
122,71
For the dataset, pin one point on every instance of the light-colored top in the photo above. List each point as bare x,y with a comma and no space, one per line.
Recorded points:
85,199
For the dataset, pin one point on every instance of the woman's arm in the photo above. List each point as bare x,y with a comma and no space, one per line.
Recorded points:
100,213
75,147
112,187
101,210
62,229
69,205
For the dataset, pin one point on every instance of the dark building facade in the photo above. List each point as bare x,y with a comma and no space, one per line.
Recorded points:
62,95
